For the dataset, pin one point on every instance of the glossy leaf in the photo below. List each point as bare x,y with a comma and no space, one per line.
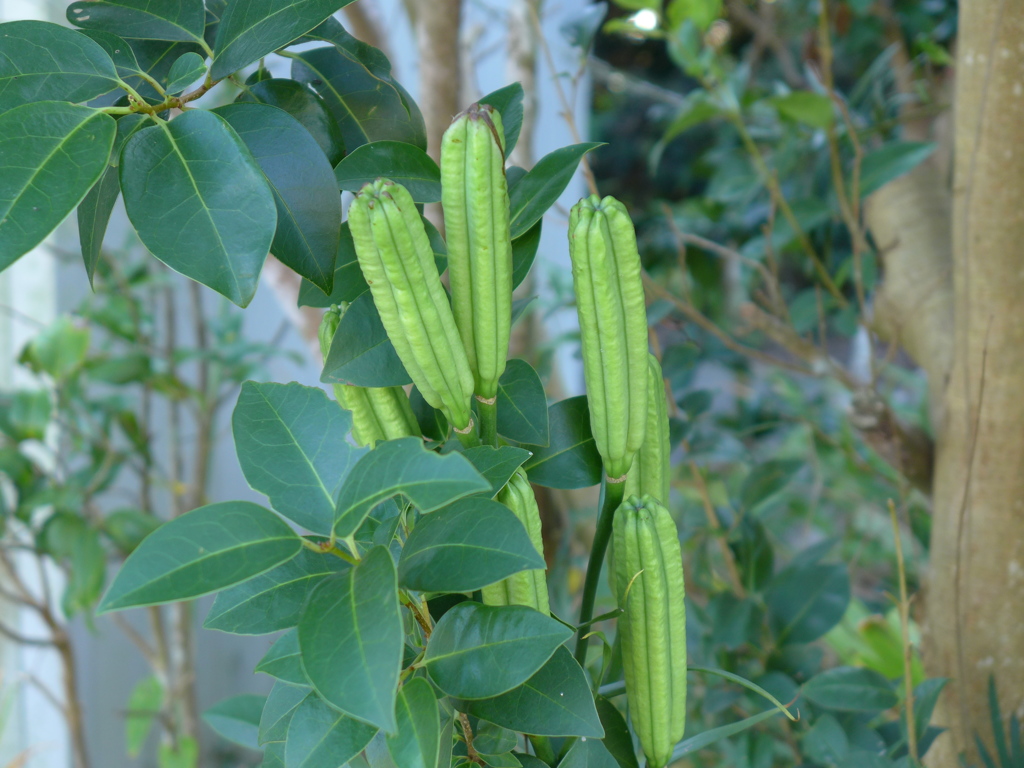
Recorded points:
617,738
850,689
199,202
251,29
118,49
321,737
205,550
164,20
556,701
43,62
588,753
237,719
522,405
304,105
570,460
185,71
481,651
351,638
362,354
416,744
497,465
543,184
272,601
308,203
404,466
469,545
155,58
51,154
281,704
524,252
806,602
493,739
284,660
292,446
403,163
509,103
349,283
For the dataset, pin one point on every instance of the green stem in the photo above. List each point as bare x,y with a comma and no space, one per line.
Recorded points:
470,438
488,420
543,749
612,494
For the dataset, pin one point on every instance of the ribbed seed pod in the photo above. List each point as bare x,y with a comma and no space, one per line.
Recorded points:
396,259
476,219
528,588
650,472
613,327
378,413
649,588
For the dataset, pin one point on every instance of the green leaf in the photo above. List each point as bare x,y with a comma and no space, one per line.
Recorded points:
481,651
588,753
890,162
354,80
44,62
118,49
403,163
195,169
617,738
570,460
237,719
556,701
71,539
709,737
543,184
205,550
51,154
404,466
497,465
509,103
272,601
926,695
165,20
291,444
524,251
128,527
284,660
300,102
850,689
308,203
361,353
767,479
155,58
349,283
492,739
522,405
322,737
469,545
59,350
186,70
185,754
697,108
144,704
351,638
826,742
281,704
805,107
251,29
25,415
806,602
417,742
750,686
273,755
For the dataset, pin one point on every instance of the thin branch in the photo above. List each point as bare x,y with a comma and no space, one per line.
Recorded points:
904,608
21,639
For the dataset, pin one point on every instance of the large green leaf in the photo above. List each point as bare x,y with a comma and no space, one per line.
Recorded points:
42,62
522,405
481,651
806,602
404,466
205,550
284,660
570,459
524,252
273,755
308,203
361,353
403,163
538,190
272,601
165,20
251,29
237,719
468,545
850,689
321,737
617,738
349,283
291,444
509,103
556,701
51,154
281,704
497,465
300,102
417,741
588,753
199,202
351,638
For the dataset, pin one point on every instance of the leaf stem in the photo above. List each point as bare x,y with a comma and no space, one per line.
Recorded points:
612,494
470,438
488,408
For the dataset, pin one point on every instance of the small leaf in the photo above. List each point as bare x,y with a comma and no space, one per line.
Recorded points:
522,405
284,660
205,550
348,282
524,251
417,741
492,739
404,466
707,738
186,70
509,103
144,705
281,704
351,638
850,689
588,753
497,465
166,20
806,602
890,162
402,163
813,109
543,184
617,738
237,719
300,102
570,460
361,353
322,737
469,545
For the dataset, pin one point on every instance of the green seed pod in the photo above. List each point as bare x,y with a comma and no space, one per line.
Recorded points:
396,259
650,474
378,413
476,218
613,327
526,587
649,588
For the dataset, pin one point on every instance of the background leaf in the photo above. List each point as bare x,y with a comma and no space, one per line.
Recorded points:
304,105
322,737
497,465
237,719
284,660
617,738
402,163
850,689
143,706
361,353
806,602
166,20
570,460
509,103
890,162
417,741
524,251
588,753
543,184
522,405
349,283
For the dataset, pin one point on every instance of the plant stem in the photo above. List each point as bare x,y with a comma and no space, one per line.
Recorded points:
470,438
543,749
612,497
488,420
904,607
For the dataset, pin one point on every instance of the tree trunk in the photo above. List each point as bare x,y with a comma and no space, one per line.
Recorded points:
975,606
